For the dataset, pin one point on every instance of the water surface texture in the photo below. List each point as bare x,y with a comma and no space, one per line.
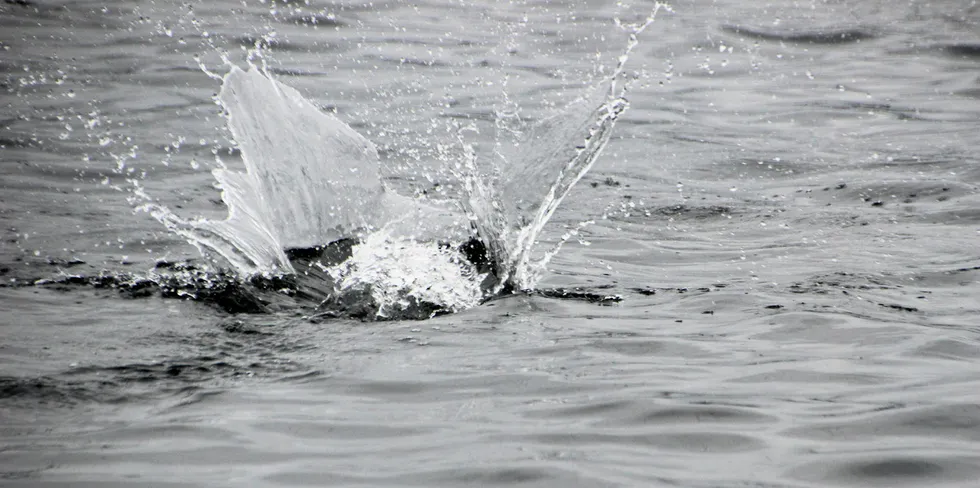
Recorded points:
789,213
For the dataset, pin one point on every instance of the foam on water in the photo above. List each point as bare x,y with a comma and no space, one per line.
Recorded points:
401,273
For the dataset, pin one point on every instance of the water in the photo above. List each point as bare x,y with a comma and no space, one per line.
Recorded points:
309,181
788,211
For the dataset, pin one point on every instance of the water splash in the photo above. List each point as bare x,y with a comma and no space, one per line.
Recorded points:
504,206
554,154
310,180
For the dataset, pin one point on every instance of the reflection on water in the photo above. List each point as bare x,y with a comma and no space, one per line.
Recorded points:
788,211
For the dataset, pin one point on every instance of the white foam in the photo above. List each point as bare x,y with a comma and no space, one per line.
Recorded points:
401,272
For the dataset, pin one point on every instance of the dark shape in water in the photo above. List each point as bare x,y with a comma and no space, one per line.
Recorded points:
335,252
815,36
579,294
964,49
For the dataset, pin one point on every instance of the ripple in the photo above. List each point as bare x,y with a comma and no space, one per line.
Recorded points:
829,35
698,414
706,442
951,422
958,349
338,431
964,49
892,469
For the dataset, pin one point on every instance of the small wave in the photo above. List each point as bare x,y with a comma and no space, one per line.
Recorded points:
963,49
805,36
42,390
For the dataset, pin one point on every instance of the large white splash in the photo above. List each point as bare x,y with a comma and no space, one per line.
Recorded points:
309,179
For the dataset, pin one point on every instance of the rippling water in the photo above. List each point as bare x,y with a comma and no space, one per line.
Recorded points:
790,211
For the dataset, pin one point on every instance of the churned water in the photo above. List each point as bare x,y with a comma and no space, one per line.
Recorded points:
769,277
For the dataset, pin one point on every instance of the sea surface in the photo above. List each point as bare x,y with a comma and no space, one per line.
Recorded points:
788,215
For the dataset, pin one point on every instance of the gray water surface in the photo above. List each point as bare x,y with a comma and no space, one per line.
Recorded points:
790,211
